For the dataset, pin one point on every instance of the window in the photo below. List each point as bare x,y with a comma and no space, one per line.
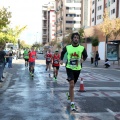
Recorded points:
112,11
77,1
99,0
68,28
77,8
92,19
72,15
70,22
98,17
69,1
67,8
112,1
93,11
93,2
99,7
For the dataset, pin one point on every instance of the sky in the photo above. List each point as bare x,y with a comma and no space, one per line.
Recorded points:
26,12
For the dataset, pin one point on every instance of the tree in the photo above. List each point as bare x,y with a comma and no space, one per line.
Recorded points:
53,42
37,45
59,45
116,31
4,18
106,27
67,38
23,45
81,33
95,41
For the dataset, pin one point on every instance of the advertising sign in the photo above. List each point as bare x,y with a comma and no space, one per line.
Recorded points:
112,52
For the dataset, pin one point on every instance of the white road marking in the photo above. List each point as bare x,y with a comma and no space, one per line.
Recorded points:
111,112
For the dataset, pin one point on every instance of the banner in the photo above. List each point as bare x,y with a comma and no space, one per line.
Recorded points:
112,52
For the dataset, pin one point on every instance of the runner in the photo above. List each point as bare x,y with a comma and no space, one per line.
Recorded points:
48,57
32,57
26,57
56,64
75,55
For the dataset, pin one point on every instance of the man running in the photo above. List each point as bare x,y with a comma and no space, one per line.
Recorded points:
73,66
32,57
26,57
48,57
56,64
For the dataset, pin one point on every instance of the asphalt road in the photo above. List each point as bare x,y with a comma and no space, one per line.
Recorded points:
41,98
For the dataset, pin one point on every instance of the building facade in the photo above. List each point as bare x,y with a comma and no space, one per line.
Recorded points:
68,17
48,19
97,8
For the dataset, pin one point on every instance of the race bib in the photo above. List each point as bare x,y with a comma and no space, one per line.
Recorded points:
73,63
48,59
33,56
56,61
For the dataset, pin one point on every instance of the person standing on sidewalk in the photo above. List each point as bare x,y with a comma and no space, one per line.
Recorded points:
56,64
10,58
92,57
48,57
26,57
32,57
2,61
96,58
73,66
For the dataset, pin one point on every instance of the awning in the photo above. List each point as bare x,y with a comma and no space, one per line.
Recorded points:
114,41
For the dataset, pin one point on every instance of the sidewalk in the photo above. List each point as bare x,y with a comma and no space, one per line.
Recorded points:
4,79
114,65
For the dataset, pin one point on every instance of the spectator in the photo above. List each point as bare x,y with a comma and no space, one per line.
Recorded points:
96,58
2,62
10,58
92,57
107,63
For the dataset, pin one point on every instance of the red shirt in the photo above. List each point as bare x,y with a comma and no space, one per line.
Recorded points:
56,60
49,57
32,56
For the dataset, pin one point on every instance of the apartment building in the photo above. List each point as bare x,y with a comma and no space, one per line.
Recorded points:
97,8
68,17
85,13
48,20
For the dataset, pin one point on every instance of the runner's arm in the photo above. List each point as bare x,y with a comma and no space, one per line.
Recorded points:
84,55
63,53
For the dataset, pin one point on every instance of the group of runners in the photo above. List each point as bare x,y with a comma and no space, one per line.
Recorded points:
54,61
76,54
30,56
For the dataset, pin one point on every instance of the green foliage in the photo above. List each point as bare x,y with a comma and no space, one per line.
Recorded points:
116,30
11,34
81,33
5,38
66,40
4,18
95,41
37,45
106,26
53,42
22,44
58,45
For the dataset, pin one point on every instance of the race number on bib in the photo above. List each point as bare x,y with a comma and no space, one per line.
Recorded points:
48,59
73,63
56,61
